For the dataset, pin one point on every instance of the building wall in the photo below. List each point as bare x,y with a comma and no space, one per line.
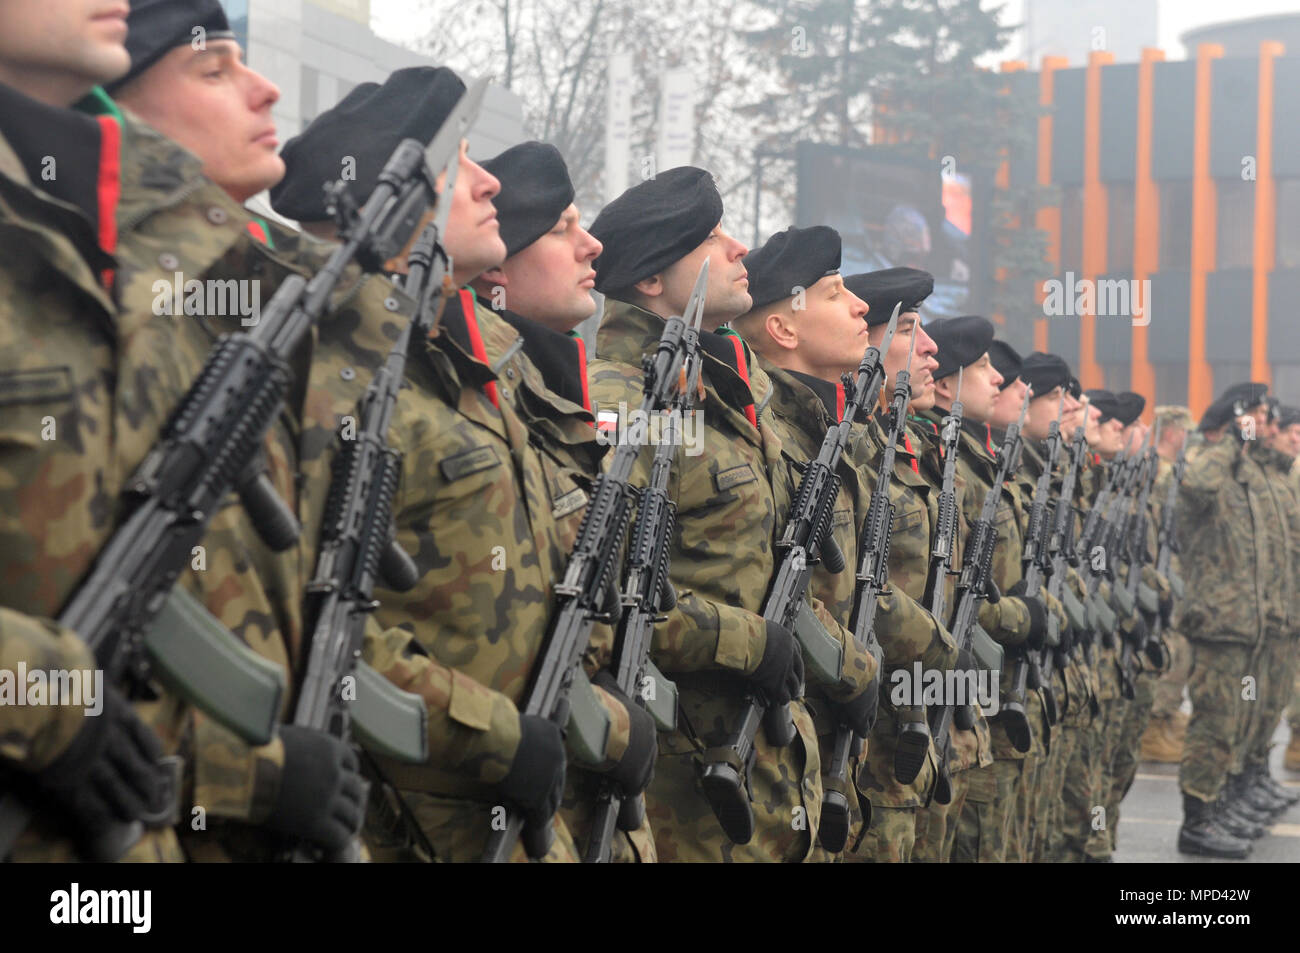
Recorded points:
1208,210
316,51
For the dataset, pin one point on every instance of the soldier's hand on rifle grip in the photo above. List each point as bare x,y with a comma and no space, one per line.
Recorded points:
635,769
779,674
535,782
109,775
322,796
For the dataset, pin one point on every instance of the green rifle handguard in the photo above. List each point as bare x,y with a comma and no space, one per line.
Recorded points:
988,655
1053,637
587,733
1177,585
823,654
1075,610
1102,614
201,660
1122,601
659,694
387,720
1147,599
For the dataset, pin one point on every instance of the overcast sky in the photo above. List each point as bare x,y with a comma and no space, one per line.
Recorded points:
393,18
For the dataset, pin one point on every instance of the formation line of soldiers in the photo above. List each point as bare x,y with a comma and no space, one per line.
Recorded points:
776,574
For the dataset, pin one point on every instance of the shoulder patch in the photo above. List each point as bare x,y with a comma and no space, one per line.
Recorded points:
46,383
569,502
470,461
736,476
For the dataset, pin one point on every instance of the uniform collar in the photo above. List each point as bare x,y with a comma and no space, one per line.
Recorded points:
561,359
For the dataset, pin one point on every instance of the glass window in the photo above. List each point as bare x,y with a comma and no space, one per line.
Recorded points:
1119,227
1288,223
237,14
1175,224
1071,230
1236,222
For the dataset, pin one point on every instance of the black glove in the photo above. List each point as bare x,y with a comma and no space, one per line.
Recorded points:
779,675
1037,615
1067,638
859,712
636,768
1167,611
109,773
322,796
535,784
1135,631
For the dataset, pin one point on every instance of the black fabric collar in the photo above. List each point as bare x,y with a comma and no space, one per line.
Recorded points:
827,393
555,355
40,135
733,388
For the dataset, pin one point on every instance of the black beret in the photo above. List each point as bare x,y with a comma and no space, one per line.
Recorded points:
1130,406
1045,372
1287,415
367,125
881,290
1007,360
1075,389
156,27
794,258
1104,401
654,224
962,341
535,191
1245,396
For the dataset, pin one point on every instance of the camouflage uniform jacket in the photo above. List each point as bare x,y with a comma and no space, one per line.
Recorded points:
497,472
927,641
1236,545
121,360
731,502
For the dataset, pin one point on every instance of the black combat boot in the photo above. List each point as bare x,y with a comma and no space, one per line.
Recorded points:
1233,818
1275,787
1257,795
1201,835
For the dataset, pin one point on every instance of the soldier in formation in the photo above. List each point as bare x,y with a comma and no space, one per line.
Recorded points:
777,573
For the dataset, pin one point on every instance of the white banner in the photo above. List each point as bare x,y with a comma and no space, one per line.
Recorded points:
676,144
618,124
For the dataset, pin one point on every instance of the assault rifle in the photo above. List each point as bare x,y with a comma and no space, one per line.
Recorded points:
647,593
1036,563
358,549
974,585
588,593
805,542
907,763
872,577
128,612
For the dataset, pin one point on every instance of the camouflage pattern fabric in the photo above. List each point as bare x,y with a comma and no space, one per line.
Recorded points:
729,512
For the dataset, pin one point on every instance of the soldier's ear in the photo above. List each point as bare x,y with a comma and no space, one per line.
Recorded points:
495,276
781,329
651,287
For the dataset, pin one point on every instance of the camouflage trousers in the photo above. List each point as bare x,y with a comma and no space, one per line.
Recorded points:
581,794
456,828
785,794
1047,828
1277,668
1127,753
1082,794
1220,717
936,824
1168,694
1112,716
984,828
891,836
